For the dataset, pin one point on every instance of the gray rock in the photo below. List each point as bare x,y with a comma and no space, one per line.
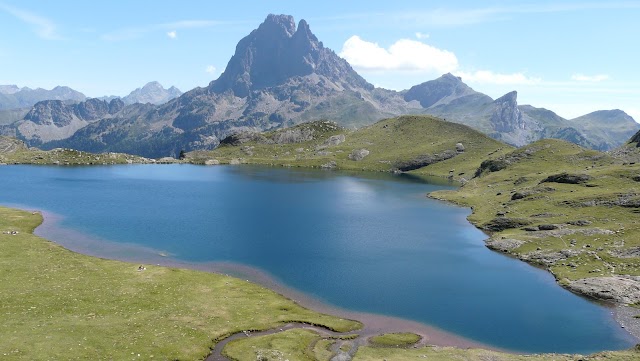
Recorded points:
211,162
504,244
615,288
330,165
358,154
335,140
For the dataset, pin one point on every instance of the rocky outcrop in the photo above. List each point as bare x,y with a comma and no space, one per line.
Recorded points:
358,154
567,178
503,244
507,117
425,160
615,288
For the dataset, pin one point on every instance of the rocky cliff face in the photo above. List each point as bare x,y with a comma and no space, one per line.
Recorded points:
51,120
276,52
153,93
506,116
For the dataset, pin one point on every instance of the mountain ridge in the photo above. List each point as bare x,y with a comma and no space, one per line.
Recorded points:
281,75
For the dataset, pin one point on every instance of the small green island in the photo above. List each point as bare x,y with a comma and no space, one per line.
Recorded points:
569,210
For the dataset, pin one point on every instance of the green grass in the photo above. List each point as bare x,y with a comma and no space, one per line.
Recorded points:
292,345
56,304
611,228
390,143
13,151
400,339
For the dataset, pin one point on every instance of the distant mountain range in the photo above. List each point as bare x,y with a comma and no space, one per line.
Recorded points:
282,75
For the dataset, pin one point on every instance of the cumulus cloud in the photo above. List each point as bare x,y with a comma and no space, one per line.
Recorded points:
42,26
489,77
590,78
403,55
172,34
420,35
210,69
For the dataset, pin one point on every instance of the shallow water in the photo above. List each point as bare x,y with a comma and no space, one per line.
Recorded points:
371,243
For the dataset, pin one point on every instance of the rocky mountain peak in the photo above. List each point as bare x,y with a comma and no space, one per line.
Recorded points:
433,92
277,23
50,112
507,117
278,51
153,92
9,89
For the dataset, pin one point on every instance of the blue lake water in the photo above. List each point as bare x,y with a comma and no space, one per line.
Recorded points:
371,243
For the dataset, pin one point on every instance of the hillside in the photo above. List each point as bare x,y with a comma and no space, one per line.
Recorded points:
427,145
13,151
565,208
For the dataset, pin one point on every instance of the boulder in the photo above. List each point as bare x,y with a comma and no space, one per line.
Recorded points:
358,154
619,289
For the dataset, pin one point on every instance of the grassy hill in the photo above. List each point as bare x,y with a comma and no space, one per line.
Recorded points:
425,144
570,210
13,151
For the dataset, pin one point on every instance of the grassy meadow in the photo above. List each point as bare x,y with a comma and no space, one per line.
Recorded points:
570,210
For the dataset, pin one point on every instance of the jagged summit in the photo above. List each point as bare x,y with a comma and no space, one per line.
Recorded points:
277,51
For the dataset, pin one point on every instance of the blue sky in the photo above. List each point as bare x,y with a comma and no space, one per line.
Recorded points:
572,57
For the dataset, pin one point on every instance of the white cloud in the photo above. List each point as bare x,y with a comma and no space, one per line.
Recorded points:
171,28
403,55
210,69
42,26
489,77
420,35
590,78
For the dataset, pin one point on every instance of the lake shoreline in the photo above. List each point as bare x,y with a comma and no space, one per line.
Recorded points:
373,324
154,256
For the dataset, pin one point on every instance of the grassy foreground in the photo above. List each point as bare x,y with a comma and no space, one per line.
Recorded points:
60,305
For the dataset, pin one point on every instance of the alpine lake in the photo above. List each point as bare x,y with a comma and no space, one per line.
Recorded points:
364,242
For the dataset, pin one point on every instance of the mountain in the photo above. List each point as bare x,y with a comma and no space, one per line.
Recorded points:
504,119
9,89
281,75
51,120
25,97
153,93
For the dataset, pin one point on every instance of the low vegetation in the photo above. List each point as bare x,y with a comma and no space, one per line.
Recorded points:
56,304
400,339
551,203
555,204
403,143
13,151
